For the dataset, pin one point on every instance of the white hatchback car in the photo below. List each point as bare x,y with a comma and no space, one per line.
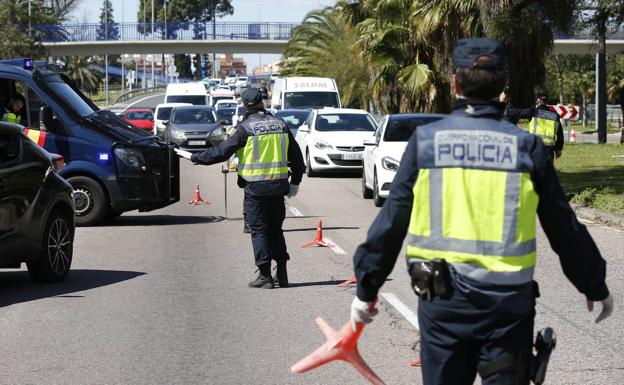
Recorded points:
332,139
384,151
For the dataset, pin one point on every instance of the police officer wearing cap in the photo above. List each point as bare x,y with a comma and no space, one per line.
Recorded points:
543,123
467,194
265,148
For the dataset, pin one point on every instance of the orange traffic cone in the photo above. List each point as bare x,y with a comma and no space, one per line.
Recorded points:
340,345
348,282
198,198
318,239
572,135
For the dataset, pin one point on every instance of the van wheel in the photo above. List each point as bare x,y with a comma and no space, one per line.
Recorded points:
57,246
309,172
366,192
377,200
90,200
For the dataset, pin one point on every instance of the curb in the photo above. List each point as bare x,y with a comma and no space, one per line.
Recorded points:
598,216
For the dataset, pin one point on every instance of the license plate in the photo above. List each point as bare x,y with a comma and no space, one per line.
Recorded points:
197,142
351,156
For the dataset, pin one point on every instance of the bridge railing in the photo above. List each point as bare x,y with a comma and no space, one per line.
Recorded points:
169,31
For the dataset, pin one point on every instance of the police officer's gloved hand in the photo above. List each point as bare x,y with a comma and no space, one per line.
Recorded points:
362,312
293,190
607,308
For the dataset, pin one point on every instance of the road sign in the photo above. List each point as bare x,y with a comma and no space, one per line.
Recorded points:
569,112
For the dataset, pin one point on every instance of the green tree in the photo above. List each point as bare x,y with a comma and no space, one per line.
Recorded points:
107,29
323,45
15,38
77,69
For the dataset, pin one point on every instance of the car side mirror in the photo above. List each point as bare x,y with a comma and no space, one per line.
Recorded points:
304,128
46,119
224,122
370,142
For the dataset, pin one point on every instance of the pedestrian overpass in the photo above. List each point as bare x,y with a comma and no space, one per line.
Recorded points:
184,38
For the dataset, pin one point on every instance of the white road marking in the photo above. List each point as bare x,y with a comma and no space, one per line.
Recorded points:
295,211
409,315
139,101
335,248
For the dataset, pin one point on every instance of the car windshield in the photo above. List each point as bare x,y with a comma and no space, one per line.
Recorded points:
164,113
215,99
293,119
196,100
344,122
193,116
304,100
401,129
225,113
140,115
64,92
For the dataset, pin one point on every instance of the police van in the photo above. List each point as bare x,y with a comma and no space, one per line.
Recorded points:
112,165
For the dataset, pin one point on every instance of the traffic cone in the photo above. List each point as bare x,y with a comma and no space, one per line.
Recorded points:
572,135
198,198
417,362
340,345
318,239
348,282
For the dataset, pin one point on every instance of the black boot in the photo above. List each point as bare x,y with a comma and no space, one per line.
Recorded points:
281,274
264,279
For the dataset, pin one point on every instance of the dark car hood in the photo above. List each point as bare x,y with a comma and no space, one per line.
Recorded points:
116,128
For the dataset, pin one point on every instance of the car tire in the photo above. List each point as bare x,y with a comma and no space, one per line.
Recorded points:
366,192
377,200
57,247
309,171
90,201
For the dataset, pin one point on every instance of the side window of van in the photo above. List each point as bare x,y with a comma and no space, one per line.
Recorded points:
12,101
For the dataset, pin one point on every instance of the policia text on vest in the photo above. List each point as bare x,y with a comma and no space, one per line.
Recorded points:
466,195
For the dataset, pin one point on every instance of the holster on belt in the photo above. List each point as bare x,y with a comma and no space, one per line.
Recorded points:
431,279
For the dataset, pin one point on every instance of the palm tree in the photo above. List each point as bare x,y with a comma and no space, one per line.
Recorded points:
323,45
77,69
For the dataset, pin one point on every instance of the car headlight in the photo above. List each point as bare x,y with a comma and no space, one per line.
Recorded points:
178,134
390,164
322,145
130,158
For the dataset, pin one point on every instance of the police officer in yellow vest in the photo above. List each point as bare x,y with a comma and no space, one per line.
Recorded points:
467,194
13,112
266,149
543,123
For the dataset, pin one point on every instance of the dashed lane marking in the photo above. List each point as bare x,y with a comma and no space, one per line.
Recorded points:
409,315
335,248
295,211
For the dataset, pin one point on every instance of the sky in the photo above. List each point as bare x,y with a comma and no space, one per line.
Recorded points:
88,11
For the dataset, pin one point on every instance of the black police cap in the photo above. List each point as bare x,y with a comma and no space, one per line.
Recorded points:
252,97
479,53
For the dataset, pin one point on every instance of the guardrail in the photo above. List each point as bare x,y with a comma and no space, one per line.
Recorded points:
163,31
138,92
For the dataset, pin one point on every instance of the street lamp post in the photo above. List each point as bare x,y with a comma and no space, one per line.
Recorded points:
260,4
153,20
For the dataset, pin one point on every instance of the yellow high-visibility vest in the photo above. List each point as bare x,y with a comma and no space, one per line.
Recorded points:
11,118
475,205
545,126
265,155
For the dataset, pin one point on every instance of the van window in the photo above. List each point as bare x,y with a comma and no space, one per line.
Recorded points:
70,98
307,99
9,148
34,106
196,100
9,88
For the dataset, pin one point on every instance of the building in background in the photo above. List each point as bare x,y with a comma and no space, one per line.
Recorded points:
228,64
267,69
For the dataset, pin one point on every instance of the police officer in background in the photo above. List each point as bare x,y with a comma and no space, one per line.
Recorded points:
543,123
14,110
265,147
467,192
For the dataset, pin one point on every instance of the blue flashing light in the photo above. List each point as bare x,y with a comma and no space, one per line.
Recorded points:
104,156
28,64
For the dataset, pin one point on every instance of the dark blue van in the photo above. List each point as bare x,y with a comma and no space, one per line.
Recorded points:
113,166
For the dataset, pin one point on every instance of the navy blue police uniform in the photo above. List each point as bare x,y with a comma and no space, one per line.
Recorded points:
480,322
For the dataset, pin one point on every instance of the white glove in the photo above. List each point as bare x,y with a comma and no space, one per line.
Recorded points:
293,190
607,308
182,153
362,312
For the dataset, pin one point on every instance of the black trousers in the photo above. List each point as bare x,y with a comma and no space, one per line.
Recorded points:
456,337
265,215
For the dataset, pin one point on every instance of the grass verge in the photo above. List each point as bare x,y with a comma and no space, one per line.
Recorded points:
592,176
